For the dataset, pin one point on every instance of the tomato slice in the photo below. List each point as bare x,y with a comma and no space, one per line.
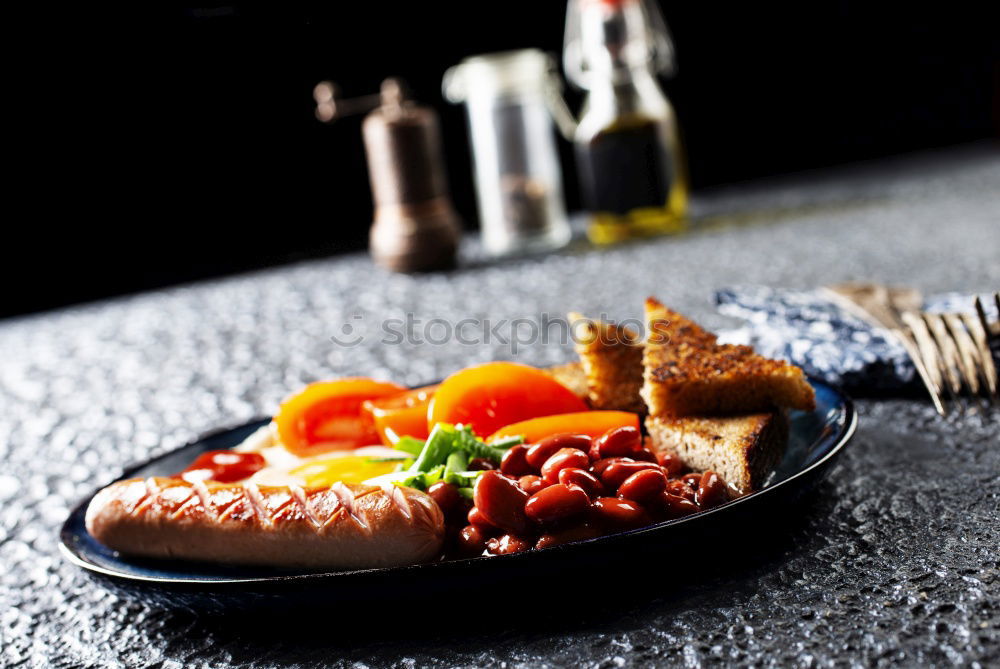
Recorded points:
590,423
402,415
495,394
223,466
327,416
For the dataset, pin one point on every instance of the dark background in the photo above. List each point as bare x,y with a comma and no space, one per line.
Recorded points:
184,145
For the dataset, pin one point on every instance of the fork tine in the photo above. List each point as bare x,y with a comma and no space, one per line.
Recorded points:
996,303
927,356
947,352
978,333
990,330
968,355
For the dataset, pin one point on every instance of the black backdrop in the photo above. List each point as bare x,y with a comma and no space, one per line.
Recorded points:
192,150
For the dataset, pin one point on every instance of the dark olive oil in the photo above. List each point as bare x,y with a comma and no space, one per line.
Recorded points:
625,168
631,182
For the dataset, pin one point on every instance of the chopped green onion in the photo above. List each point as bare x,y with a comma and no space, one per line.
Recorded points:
475,446
458,461
410,445
507,442
436,450
462,479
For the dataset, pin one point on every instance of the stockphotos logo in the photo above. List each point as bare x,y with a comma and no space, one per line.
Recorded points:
515,333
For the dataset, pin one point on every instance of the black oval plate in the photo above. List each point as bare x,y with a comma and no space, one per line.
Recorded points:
816,438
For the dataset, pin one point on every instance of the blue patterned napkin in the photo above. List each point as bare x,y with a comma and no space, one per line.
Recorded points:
823,339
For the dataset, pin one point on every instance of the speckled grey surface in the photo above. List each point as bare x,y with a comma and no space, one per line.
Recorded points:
894,560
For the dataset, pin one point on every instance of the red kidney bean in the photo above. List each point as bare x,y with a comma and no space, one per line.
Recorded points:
692,479
679,488
556,502
447,497
576,533
532,484
479,520
581,478
616,442
643,485
597,468
472,540
675,506
547,447
671,463
507,544
501,501
515,461
617,472
645,455
712,491
481,464
563,458
618,513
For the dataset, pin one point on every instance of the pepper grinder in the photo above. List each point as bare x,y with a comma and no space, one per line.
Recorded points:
415,226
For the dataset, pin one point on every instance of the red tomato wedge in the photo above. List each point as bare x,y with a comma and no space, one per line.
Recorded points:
495,394
402,415
327,416
590,423
223,466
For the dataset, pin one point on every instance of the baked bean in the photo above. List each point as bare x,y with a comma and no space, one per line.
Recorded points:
556,502
532,484
476,518
581,478
643,485
563,458
597,468
692,479
508,544
481,464
547,447
618,513
472,540
617,472
675,506
671,463
712,491
645,455
501,501
447,497
679,488
616,443
515,461
579,532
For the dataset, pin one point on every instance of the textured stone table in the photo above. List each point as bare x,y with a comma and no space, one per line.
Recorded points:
895,559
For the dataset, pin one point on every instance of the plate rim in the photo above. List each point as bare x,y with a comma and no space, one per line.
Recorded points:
844,436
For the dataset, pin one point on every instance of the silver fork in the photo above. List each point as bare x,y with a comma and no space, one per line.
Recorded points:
950,351
957,347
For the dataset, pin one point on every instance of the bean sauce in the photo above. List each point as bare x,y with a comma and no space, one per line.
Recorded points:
570,487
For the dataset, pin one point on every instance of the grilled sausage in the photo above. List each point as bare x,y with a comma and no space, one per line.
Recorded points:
340,527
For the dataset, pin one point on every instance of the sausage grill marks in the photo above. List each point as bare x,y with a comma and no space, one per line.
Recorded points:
343,526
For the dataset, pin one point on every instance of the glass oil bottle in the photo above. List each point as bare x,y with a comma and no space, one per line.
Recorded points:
632,172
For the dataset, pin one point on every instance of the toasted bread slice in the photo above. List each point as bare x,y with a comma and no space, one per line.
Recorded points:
688,373
743,450
572,376
611,356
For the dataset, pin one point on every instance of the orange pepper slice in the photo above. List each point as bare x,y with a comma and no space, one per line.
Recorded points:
327,416
402,415
489,396
590,423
